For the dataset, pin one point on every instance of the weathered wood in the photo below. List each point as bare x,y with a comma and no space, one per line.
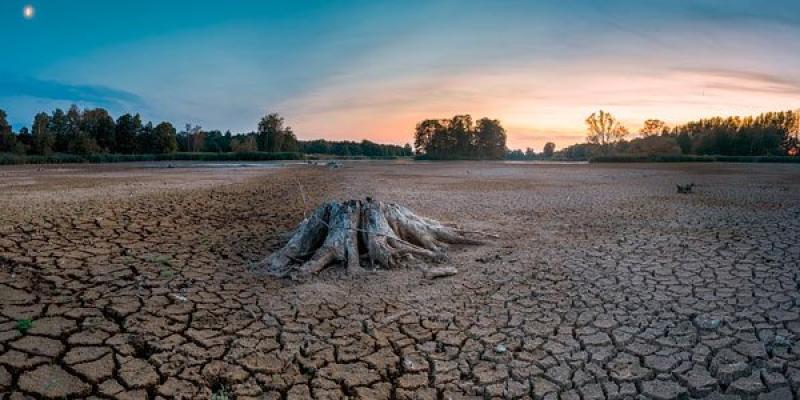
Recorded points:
386,235
440,272
306,239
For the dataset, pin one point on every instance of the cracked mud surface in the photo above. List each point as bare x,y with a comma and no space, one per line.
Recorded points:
604,284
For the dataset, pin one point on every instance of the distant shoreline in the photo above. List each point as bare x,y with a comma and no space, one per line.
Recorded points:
693,158
60,158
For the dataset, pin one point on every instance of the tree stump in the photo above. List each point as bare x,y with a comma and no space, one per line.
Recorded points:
381,235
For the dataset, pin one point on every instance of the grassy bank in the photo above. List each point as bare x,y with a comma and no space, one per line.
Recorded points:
60,158
693,158
8,159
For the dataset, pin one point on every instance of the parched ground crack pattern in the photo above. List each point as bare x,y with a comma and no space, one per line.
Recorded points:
603,284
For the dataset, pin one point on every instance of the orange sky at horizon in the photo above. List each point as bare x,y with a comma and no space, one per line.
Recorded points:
538,109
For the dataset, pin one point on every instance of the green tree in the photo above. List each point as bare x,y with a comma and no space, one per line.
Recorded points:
490,139
73,131
164,139
194,137
7,140
654,145
125,133
273,136
463,133
24,141
684,142
83,144
549,149
424,133
43,139
290,143
100,127
59,128
243,144
530,154
770,133
145,140
459,138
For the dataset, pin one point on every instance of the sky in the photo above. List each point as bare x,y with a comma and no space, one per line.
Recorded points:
373,69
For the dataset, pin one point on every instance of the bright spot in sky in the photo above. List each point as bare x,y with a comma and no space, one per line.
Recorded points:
28,11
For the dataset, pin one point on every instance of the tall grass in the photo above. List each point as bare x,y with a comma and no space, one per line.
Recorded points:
59,158
622,158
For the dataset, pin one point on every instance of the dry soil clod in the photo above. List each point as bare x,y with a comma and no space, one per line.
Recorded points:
384,234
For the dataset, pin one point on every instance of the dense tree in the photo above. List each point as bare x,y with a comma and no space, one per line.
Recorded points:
192,138
516,155
72,130
164,140
771,133
43,139
767,134
24,141
319,146
653,127
490,139
216,142
126,132
549,149
684,141
244,144
349,148
83,144
7,140
650,145
274,136
580,151
424,133
145,141
100,127
60,130
459,138
95,131
462,133
603,129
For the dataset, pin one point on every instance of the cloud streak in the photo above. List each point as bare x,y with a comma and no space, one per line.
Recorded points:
60,91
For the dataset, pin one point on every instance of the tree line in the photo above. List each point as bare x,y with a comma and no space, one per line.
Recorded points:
766,134
95,131
460,138
87,132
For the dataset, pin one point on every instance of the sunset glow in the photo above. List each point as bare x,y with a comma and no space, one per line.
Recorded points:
355,71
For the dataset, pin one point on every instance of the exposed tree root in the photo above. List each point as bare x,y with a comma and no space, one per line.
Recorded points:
382,235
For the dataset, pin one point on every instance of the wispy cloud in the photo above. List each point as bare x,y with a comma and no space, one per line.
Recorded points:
744,81
54,90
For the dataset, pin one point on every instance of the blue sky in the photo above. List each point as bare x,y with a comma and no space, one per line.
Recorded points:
372,69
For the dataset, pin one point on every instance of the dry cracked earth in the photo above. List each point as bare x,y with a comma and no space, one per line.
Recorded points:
122,282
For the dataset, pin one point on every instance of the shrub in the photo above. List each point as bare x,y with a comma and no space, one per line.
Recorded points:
23,325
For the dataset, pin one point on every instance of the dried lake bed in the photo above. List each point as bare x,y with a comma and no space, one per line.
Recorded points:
135,281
